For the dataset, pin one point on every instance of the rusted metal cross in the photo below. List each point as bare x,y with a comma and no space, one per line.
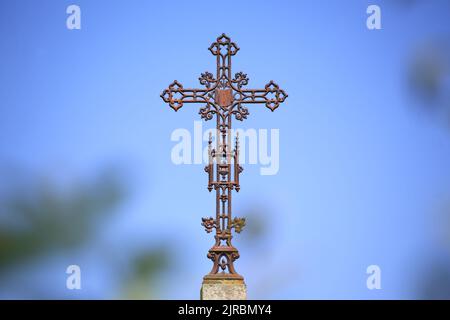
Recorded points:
225,97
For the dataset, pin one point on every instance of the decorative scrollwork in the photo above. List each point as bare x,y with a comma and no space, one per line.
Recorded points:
240,79
241,112
207,79
238,224
235,255
207,112
211,255
209,223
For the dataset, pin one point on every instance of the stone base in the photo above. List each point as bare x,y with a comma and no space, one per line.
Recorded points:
223,290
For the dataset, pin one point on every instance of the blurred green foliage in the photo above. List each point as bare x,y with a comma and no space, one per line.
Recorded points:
37,218
429,77
141,282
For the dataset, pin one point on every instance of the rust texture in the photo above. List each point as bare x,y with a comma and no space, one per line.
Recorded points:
225,97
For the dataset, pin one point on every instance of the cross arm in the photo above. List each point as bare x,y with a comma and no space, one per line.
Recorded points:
175,95
272,96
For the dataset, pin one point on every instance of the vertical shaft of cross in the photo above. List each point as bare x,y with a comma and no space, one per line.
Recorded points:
226,164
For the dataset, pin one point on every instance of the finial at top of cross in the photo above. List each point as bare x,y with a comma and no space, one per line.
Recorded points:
224,95
223,41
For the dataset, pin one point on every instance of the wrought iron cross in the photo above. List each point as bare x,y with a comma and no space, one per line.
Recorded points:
225,97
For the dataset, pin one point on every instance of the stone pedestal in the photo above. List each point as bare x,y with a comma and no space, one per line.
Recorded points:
219,289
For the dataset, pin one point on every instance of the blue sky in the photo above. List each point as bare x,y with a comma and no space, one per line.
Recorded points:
361,169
